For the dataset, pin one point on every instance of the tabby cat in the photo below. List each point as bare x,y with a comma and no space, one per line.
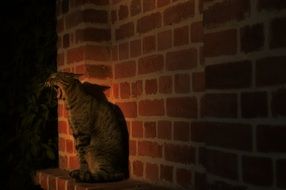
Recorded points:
98,128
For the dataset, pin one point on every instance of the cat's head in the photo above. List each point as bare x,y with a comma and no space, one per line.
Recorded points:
62,81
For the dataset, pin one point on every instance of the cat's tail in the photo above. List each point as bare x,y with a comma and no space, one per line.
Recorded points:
103,176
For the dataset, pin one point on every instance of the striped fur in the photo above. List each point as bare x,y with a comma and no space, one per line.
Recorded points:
99,130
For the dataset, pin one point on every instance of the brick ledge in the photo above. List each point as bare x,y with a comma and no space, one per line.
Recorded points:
57,179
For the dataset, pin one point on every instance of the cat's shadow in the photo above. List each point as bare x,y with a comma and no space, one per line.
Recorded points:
95,90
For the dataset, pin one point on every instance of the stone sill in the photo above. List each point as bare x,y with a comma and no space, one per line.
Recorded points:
56,179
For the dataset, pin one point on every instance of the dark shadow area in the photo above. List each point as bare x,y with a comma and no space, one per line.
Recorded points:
28,132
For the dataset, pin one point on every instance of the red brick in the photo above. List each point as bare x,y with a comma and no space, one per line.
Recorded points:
181,131
179,12
123,12
73,162
164,40
52,182
182,107
97,53
149,44
124,31
150,64
124,90
151,107
79,69
165,130
60,25
115,89
281,173
129,109
124,69
66,40
113,16
71,185
75,55
222,164
219,105
198,131
273,5
226,11
152,171
165,84
213,45
166,173
135,48
278,103
138,168
254,104
86,16
60,59
149,22
63,162
257,170
181,60
123,49
270,71
151,86
44,181
229,75
114,53
94,2
65,5
148,5
271,138
137,88
228,135
132,147
62,127
62,111
62,144
99,71
161,3
277,33
200,181
150,130
182,83
69,146
61,184
135,7
198,81
92,35
183,154
184,177
151,149
181,36
137,129
197,32
252,38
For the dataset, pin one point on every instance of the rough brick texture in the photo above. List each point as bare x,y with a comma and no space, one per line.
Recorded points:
201,84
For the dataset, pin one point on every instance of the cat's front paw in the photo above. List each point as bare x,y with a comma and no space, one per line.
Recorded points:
81,176
74,174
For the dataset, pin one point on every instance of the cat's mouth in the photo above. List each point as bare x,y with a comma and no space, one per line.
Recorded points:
58,90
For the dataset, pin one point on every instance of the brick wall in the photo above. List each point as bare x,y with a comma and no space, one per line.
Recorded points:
243,113
201,85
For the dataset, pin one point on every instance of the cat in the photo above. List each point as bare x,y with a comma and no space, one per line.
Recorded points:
98,127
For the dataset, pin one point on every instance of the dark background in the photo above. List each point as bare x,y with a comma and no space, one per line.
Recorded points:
28,137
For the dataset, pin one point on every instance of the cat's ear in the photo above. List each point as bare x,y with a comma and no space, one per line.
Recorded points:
103,88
